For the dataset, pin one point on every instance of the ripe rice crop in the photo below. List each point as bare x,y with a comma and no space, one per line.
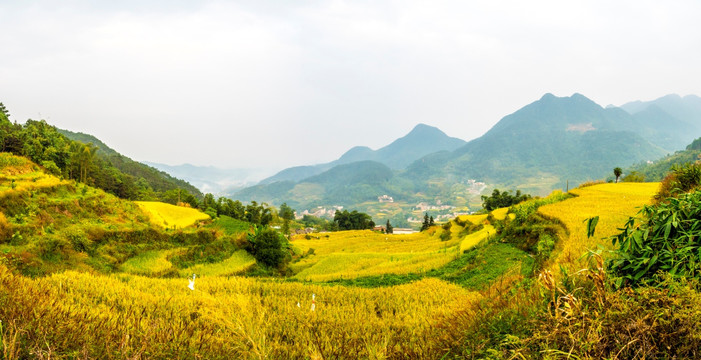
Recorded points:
353,265
150,263
613,203
500,214
351,254
475,238
239,261
127,316
169,216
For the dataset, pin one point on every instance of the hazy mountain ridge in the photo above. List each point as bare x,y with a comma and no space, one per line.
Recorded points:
678,118
211,179
543,146
555,139
420,141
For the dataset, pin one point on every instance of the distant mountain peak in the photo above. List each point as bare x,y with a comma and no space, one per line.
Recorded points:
547,96
421,129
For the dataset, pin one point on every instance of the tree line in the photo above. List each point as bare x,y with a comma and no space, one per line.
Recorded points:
45,145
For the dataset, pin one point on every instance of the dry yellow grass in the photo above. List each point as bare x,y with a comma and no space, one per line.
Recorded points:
613,203
169,216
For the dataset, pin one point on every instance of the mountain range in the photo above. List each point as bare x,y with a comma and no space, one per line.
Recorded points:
421,141
551,143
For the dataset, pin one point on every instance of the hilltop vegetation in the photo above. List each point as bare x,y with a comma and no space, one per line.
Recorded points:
660,168
96,166
159,181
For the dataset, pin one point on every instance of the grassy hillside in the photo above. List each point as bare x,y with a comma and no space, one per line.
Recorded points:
49,225
657,170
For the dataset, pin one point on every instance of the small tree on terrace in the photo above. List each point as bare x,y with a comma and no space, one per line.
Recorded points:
426,224
286,213
617,172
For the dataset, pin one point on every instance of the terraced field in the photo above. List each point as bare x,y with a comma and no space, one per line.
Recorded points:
171,216
352,254
613,203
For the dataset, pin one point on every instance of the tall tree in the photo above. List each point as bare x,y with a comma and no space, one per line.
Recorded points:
388,228
286,213
617,172
425,225
4,111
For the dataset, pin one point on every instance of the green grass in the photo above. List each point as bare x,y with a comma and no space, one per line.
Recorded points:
230,226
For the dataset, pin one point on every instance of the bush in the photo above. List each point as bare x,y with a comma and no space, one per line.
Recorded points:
680,180
269,247
663,237
502,199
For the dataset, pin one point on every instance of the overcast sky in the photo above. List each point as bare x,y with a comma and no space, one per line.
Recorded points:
281,83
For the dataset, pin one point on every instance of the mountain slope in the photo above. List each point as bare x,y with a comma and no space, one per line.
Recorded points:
345,184
678,119
210,179
419,142
544,144
657,170
158,180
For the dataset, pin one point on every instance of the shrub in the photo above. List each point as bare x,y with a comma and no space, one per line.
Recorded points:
663,237
680,180
634,176
269,247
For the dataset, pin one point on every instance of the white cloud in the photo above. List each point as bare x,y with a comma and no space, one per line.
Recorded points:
247,83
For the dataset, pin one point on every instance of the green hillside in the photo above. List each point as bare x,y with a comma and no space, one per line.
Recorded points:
48,225
159,181
543,145
657,170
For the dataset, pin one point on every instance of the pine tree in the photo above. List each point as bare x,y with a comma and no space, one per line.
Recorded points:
3,110
388,228
430,222
425,225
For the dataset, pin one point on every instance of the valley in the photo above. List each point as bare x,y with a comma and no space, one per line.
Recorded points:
94,268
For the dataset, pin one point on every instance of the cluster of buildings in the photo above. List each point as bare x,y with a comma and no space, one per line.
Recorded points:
385,199
320,211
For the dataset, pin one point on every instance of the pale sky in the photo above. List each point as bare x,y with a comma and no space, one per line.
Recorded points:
281,83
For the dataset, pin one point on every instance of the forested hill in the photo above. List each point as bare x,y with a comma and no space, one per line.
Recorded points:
541,147
546,143
159,181
657,170
45,145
